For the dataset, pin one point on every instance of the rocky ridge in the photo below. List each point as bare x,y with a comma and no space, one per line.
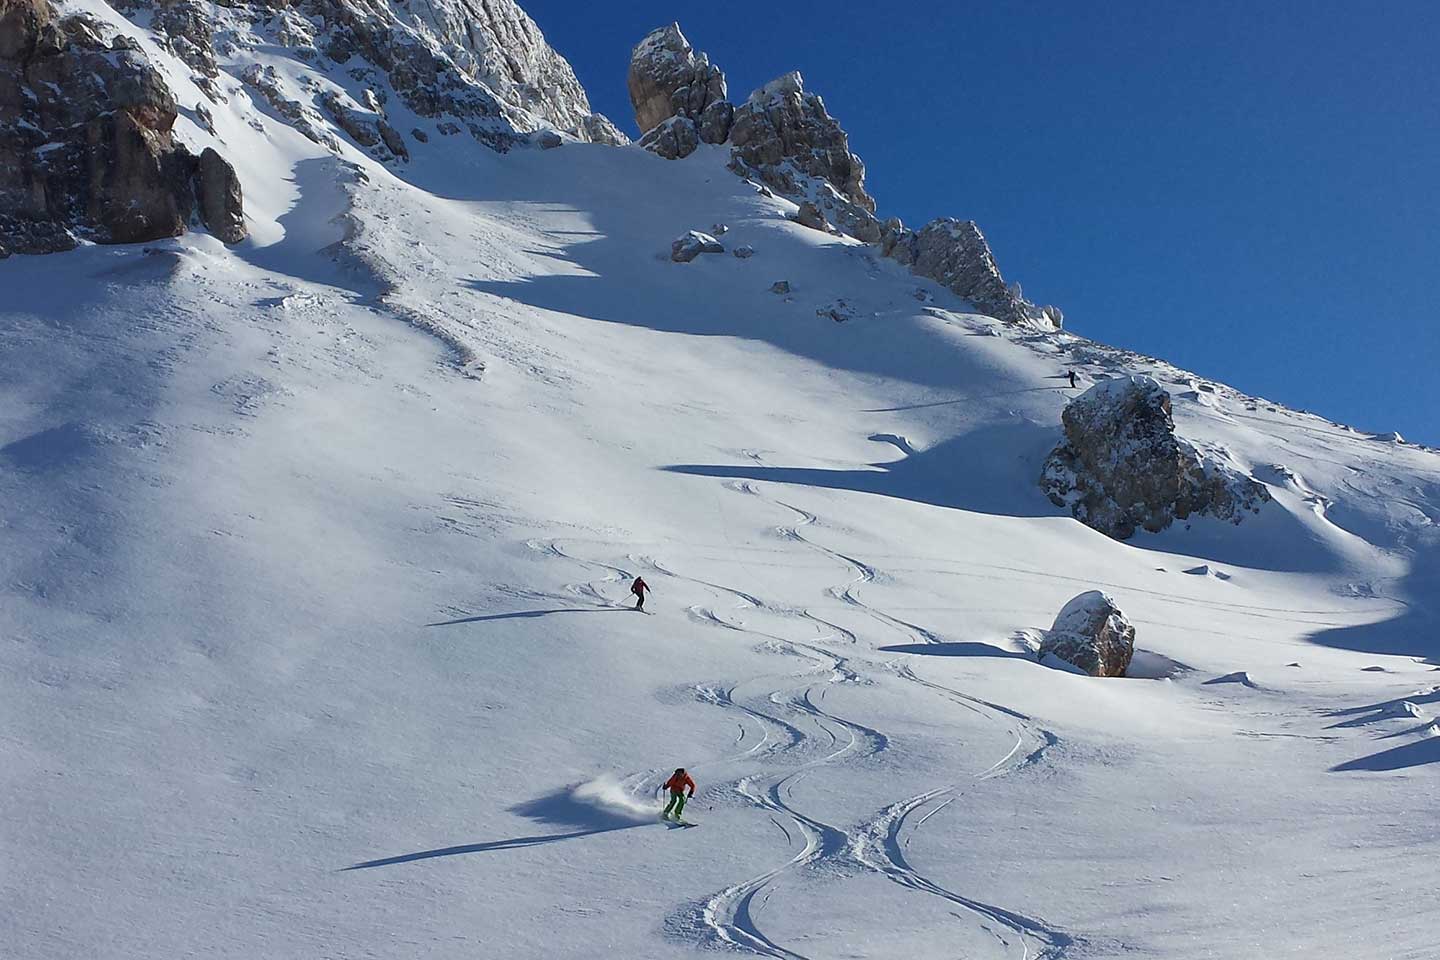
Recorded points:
782,137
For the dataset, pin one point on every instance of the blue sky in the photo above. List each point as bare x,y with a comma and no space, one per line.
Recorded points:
1250,190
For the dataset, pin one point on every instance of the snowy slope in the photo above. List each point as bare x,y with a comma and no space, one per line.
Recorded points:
314,547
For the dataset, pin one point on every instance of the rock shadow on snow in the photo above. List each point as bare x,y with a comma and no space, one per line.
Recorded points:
965,648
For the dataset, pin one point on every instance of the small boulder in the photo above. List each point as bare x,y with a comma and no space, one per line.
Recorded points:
1092,635
780,286
720,229
744,252
692,244
549,140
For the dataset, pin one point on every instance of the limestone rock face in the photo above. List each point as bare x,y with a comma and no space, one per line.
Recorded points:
692,244
1121,466
86,149
673,139
667,78
222,203
782,132
1092,635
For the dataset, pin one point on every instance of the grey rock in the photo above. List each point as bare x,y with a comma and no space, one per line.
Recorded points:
744,252
955,254
392,140
221,201
420,135
720,229
668,79
716,120
549,140
86,148
1092,635
780,286
672,139
1121,467
809,215
839,311
782,130
692,244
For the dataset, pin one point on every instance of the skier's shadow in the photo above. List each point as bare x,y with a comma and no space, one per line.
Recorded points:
525,615
560,808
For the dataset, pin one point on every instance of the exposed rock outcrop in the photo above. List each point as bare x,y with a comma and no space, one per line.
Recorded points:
673,139
954,253
692,244
1092,635
221,201
783,133
1121,466
667,79
810,215
86,148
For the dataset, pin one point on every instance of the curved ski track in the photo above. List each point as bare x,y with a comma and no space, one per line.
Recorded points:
818,738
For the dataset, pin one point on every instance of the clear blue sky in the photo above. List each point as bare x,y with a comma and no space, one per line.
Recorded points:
1250,190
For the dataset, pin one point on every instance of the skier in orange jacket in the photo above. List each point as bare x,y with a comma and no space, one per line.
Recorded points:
678,782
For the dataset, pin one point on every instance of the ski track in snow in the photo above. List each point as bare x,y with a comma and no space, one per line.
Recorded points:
727,917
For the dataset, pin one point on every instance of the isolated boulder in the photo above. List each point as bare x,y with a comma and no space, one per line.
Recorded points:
692,244
86,145
744,252
667,78
1092,635
672,139
1121,466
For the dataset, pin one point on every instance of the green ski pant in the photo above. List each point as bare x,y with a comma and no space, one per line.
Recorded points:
677,801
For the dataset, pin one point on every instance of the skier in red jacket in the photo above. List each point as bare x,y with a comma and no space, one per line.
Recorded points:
678,782
638,588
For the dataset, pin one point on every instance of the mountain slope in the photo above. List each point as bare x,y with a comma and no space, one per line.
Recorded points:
293,585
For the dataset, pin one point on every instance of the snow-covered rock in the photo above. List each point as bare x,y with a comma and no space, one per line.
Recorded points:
1121,466
668,79
1092,635
692,244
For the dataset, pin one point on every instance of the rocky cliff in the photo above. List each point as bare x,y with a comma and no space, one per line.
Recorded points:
86,145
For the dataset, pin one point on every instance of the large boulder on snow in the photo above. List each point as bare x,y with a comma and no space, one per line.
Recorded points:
1092,635
667,78
86,148
221,201
955,254
692,244
1121,466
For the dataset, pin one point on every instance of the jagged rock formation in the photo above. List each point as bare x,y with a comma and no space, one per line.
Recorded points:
669,81
783,138
785,134
1092,635
483,64
86,149
954,254
1121,466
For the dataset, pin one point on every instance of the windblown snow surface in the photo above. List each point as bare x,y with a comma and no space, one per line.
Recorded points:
312,639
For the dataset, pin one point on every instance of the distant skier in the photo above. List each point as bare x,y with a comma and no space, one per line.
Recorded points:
1072,380
638,588
677,784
